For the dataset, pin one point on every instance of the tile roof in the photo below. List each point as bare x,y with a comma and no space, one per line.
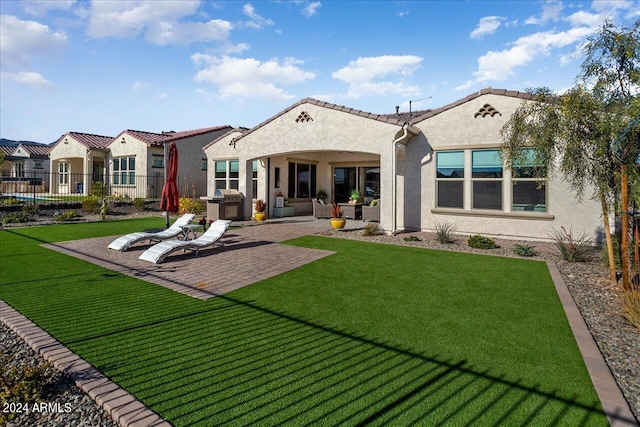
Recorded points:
486,91
400,118
87,139
7,149
152,138
36,149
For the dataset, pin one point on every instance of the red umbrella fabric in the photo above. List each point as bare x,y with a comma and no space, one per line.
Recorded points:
170,201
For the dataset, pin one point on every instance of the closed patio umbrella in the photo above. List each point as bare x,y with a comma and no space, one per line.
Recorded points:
170,201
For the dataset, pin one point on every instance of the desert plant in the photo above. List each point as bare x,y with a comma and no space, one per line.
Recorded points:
189,205
9,201
371,230
572,248
138,204
68,215
104,209
260,206
336,211
24,384
444,231
482,242
630,301
524,250
90,205
412,239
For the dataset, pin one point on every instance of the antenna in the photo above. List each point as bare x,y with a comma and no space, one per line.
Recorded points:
416,100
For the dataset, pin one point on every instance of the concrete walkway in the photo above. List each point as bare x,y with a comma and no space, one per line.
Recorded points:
252,254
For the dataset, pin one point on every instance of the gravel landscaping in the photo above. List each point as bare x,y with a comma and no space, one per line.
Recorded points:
588,283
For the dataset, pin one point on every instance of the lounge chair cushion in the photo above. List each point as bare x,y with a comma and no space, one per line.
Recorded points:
125,242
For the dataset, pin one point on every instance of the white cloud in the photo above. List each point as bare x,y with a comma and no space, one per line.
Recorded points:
138,86
22,40
369,75
584,18
184,33
249,77
487,26
402,14
41,7
29,78
551,10
257,22
130,18
311,9
499,65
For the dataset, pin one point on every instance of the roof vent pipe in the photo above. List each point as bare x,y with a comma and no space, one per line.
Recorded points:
397,109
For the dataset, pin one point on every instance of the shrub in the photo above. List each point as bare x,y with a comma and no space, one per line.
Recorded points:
138,204
482,242
412,239
9,201
189,205
444,231
68,215
98,190
17,218
572,248
371,230
336,211
24,384
524,250
630,300
90,205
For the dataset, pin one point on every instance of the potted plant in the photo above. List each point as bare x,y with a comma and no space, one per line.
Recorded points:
355,197
322,195
337,221
261,207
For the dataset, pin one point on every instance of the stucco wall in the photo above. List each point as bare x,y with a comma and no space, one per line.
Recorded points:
458,129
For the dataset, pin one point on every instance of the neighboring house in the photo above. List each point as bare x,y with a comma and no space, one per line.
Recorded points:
427,168
136,161
26,167
77,161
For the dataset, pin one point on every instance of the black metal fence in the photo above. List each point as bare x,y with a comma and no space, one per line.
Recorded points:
44,188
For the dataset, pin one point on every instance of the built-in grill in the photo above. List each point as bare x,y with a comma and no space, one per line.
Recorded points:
225,204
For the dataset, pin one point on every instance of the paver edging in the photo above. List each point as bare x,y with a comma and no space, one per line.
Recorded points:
121,405
615,406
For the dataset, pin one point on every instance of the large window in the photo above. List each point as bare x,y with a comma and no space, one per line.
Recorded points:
124,171
302,180
529,183
227,174
486,179
450,179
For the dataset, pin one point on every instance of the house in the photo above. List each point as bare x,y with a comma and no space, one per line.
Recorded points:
25,167
136,161
77,161
425,168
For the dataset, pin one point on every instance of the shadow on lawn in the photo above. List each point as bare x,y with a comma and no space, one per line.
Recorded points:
236,362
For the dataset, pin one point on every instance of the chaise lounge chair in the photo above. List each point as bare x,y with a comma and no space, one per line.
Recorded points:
125,242
158,252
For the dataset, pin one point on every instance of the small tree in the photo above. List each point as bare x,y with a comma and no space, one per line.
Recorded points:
591,132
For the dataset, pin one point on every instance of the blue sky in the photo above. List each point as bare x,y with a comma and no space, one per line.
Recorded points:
105,66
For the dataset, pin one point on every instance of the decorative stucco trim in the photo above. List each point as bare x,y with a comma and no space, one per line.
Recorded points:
494,214
299,160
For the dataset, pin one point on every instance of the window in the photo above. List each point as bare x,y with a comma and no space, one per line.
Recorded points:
227,174
302,180
529,183
254,179
450,179
486,179
38,165
204,164
124,171
158,161
18,168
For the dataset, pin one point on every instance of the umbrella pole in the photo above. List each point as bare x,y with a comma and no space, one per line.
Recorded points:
166,162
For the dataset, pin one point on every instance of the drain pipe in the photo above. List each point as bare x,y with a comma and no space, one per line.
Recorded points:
394,183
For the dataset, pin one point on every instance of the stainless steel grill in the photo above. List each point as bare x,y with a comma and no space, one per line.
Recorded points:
225,204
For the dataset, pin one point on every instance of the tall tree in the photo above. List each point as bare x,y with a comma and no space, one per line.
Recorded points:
591,132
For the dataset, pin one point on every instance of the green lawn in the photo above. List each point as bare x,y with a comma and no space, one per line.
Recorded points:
374,334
